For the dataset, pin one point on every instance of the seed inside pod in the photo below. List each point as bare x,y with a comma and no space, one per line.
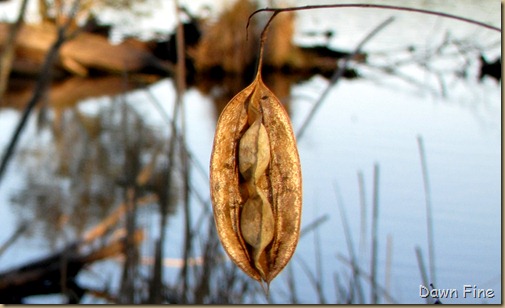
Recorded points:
255,180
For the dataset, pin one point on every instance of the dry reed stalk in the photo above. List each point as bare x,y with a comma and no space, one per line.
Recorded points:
374,243
429,211
422,269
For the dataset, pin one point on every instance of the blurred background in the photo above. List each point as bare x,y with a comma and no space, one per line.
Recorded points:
107,118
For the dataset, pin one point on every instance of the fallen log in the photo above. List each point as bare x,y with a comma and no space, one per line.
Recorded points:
56,273
44,277
85,52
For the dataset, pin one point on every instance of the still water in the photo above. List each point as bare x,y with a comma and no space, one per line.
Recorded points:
420,81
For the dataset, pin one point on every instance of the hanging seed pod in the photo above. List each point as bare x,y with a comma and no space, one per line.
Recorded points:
255,181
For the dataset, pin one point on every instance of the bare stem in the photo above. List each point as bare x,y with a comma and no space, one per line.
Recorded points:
376,6
429,211
262,42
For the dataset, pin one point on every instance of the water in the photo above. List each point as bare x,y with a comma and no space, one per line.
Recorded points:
367,122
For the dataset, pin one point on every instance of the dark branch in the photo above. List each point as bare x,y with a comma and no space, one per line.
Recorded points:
376,6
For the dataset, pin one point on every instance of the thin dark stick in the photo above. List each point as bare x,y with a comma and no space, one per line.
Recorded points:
355,285
40,88
19,231
376,6
293,298
39,91
313,225
262,42
338,74
179,112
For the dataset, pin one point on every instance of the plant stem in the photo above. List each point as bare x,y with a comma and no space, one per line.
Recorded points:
377,6
375,219
263,39
429,211
422,270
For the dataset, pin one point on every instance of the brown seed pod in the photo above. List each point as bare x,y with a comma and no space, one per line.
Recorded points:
255,182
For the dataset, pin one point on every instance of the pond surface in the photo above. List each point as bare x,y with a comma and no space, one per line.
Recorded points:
420,82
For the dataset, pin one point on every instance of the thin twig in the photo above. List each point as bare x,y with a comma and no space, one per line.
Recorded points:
196,163
19,231
389,257
319,268
312,278
313,225
375,219
429,211
354,283
422,270
293,298
377,6
43,82
363,216
179,112
263,39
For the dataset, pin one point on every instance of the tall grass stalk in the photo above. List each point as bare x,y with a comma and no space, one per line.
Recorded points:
375,222
355,285
429,211
422,269
319,269
293,294
363,213
362,273
316,285
389,258
179,106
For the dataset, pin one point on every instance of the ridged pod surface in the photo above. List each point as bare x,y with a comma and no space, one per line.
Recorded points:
255,182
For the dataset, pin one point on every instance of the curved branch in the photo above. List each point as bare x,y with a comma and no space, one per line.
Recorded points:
376,6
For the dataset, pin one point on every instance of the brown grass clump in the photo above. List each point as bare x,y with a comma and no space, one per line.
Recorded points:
279,49
224,43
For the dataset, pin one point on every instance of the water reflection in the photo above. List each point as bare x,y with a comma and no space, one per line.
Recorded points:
80,164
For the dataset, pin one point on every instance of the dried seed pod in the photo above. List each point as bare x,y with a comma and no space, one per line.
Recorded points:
255,181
